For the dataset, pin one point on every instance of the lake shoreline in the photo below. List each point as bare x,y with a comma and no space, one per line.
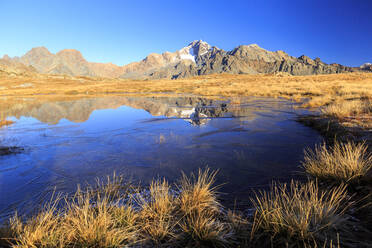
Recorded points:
338,133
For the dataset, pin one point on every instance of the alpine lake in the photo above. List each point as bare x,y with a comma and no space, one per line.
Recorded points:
58,144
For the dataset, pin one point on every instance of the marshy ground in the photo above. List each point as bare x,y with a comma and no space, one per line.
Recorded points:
331,209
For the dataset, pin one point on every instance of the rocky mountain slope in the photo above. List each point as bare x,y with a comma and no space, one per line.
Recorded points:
366,66
9,66
198,58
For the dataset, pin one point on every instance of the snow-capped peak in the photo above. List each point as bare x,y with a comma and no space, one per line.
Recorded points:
366,65
194,49
254,46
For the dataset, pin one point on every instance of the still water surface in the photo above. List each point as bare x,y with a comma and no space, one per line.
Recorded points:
252,141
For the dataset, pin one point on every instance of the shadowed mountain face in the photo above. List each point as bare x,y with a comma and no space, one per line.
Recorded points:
198,58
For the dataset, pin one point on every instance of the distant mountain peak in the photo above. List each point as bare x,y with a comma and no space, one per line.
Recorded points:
366,66
198,42
71,54
194,50
200,47
254,46
74,51
39,50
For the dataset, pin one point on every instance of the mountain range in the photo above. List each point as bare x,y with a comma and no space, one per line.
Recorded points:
198,58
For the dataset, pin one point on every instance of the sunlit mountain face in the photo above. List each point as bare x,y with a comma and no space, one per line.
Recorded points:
197,58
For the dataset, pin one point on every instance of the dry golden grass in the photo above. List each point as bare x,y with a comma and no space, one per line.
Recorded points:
91,218
119,215
201,213
158,213
42,230
116,215
298,215
198,192
318,89
350,108
95,224
344,162
205,229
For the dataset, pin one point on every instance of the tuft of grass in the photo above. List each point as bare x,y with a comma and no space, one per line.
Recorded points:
198,192
201,212
205,228
343,162
114,188
298,215
42,230
347,108
91,218
94,220
158,213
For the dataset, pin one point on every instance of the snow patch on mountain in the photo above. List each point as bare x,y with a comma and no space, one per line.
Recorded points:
365,65
187,57
210,49
194,49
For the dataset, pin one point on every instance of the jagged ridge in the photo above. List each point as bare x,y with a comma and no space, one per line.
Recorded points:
198,58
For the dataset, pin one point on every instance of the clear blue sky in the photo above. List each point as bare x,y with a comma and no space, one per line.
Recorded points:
125,31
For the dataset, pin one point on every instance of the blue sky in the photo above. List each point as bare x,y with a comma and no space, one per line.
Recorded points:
125,31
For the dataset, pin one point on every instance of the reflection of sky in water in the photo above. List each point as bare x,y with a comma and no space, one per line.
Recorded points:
250,152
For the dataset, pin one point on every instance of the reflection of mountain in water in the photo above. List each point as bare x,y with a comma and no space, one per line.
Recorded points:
196,110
